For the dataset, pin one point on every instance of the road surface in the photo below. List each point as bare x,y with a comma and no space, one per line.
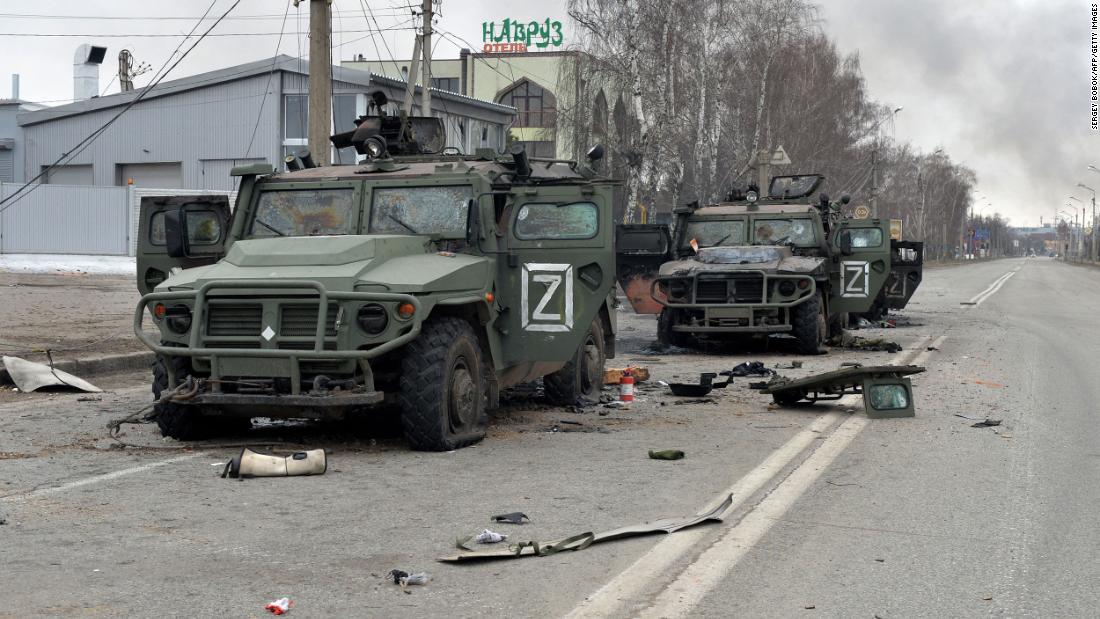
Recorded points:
836,515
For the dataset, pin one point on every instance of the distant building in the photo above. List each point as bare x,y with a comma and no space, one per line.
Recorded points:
188,133
11,139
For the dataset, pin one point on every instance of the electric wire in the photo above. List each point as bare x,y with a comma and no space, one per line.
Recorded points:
270,74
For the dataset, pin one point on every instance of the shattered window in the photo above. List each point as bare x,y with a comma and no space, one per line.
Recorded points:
715,233
158,235
889,397
784,231
304,212
203,228
866,237
421,210
579,220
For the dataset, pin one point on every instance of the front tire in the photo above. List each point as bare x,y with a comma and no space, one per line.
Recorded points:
442,387
666,336
809,326
582,376
183,423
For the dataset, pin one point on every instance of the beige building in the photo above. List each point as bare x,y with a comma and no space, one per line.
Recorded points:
531,82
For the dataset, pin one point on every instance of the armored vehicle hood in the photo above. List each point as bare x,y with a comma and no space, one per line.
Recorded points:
743,258
394,263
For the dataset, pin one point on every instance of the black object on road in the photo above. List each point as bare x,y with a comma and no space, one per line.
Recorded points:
749,368
987,423
512,518
667,454
691,390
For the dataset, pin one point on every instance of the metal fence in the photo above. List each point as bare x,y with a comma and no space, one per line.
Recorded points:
76,219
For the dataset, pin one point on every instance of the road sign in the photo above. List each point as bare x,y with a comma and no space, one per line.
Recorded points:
779,157
895,229
861,212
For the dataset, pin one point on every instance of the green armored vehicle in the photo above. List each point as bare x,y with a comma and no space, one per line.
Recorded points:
430,281
755,265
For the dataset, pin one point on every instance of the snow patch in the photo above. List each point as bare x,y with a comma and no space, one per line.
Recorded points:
62,263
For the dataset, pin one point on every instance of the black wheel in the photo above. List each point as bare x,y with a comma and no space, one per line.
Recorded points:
582,376
837,323
183,422
442,391
809,326
789,399
665,335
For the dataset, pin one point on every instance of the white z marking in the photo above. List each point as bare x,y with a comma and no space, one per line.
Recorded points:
856,278
552,276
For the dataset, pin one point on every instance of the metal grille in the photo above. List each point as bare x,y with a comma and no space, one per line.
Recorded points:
748,289
711,291
234,319
301,320
739,289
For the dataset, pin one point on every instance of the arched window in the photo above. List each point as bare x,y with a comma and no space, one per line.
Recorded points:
599,116
535,105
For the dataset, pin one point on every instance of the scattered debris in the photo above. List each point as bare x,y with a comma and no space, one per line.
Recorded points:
584,540
489,537
886,393
931,349
847,340
691,390
795,365
512,518
810,607
695,401
666,454
617,404
987,423
759,385
89,398
252,464
990,384
29,376
615,376
405,579
749,368
280,606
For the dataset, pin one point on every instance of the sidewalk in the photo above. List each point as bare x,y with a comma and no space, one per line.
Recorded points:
61,263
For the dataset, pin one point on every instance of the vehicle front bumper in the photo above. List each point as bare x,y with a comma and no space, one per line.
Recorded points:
733,317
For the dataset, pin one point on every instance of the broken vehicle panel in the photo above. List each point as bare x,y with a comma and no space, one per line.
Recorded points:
887,393
641,249
906,272
426,280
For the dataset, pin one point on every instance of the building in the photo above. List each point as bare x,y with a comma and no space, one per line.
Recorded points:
188,133
11,136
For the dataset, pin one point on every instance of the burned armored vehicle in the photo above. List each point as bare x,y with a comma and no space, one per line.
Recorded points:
752,266
427,280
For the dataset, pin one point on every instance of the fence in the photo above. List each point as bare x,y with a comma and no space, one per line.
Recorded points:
76,219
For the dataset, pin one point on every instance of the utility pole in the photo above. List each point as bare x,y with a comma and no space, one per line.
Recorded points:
320,79
426,48
874,183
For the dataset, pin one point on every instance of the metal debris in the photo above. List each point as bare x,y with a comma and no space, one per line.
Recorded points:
29,376
666,454
512,518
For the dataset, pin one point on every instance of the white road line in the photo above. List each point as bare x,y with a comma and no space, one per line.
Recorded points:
31,494
991,290
626,586
706,572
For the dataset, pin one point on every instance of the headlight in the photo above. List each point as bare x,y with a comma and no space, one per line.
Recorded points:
786,287
178,319
373,318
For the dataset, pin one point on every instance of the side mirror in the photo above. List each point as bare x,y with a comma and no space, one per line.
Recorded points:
846,242
175,233
473,223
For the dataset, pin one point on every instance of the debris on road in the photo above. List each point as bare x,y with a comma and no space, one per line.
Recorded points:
252,464
512,518
581,541
847,340
405,579
666,454
615,375
280,606
794,365
692,390
626,387
749,368
30,376
489,537
986,423
886,392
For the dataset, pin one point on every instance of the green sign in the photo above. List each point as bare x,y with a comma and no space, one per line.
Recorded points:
513,35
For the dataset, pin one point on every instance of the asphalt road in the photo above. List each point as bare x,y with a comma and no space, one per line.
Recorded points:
913,517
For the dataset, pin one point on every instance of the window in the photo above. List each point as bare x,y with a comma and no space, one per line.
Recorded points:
421,210
783,231
343,119
445,83
296,117
866,237
345,108
304,212
715,233
545,150
579,220
534,104
203,228
889,397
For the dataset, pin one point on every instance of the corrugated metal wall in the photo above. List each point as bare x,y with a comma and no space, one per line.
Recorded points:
216,122
61,219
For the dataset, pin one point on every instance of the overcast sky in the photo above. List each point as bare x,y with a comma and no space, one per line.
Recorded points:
1000,85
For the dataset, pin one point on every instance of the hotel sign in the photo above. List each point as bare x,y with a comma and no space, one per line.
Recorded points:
513,35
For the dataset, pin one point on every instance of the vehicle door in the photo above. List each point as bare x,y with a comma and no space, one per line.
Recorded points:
861,264
558,270
179,232
640,250
906,271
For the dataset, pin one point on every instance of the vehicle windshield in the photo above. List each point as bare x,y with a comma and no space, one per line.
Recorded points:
714,232
304,212
784,231
421,210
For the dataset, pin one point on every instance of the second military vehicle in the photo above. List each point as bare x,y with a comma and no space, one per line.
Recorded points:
751,266
432,280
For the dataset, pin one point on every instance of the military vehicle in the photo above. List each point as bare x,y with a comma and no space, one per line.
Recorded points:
906,272
430,280
752,266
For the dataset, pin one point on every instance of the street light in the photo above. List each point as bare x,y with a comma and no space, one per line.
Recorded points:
874,163
1092,237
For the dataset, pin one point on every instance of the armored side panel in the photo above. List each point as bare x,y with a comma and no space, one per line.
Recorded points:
640,250
906,272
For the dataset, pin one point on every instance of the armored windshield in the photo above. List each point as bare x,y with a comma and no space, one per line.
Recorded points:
304,212
784,231
421,210
714,232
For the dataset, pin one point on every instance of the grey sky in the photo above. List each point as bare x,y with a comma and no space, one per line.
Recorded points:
1002,86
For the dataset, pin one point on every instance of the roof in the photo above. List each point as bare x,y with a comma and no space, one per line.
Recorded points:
741,208
282,62
418,168
28,105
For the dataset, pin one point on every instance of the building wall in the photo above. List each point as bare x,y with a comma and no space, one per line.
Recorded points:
9,128
213,123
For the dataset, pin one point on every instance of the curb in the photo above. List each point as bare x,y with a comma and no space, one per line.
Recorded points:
93,366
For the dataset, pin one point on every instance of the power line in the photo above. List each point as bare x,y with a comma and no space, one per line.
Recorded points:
363,4
148,35
165,69
271,16
274,61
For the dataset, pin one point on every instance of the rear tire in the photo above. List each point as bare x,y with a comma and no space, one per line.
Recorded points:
443,387
665,335
809,326
582,376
